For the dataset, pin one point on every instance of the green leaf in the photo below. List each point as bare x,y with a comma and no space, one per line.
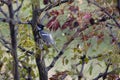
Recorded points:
66,61
21,57
99,64
86,60
80,62
100,58
5,59
75,50
94,50
33,73
90,69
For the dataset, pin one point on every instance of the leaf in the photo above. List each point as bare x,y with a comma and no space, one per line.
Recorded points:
45,2
63,60
86,60
53,24
79,50
99,41
84,37
87,16
69,23
59,75
75,50
80,62
33,73
27,43
54,12
74,9
90,69
66,61
99,64
100,58
94,50
5,59
22,57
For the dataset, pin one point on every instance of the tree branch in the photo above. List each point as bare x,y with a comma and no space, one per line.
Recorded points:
65,46
67,43
5,2
43,73
7,45
80,75
19,7
13,41
102,9
14,21
26,51
50,6
4,42
104,75
5,14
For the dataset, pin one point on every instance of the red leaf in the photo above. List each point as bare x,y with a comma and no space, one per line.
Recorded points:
54,12
74,9
45,2
57,12
59,75
85,38
87,16
68,23
100,36
53,24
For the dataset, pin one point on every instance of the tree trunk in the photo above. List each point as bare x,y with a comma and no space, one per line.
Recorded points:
43,73
13,41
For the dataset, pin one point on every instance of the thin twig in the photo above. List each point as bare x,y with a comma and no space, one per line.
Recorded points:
102,9
4,20
80,75
48,7
65,46
19,7
114,39
5,2
4,43
7,45
14,21
104,75
24,50
5,14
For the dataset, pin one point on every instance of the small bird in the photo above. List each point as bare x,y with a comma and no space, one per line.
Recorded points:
46,37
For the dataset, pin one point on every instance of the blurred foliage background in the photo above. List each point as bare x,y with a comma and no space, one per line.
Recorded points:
93,46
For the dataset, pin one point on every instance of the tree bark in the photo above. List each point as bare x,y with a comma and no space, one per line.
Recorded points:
43,73
13,41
